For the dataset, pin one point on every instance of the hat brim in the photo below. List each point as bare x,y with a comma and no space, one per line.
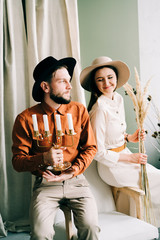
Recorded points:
122,69
37,92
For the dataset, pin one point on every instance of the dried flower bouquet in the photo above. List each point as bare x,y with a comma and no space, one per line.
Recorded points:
141,105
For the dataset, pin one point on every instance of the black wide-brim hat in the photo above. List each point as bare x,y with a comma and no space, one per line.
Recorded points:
44,69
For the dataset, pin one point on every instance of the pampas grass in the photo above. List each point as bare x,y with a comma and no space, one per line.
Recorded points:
141,106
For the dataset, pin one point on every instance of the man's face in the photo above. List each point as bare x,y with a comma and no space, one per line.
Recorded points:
60,86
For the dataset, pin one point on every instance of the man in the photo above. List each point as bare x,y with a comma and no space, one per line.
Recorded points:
52,88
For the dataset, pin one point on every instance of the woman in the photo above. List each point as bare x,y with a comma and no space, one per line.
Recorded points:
117,165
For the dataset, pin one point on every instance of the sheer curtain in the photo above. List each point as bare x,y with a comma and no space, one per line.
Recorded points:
30,31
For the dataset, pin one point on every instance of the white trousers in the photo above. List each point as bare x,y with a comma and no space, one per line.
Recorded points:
125,174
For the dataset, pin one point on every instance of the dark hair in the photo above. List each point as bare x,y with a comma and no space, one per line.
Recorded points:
95,93
48,78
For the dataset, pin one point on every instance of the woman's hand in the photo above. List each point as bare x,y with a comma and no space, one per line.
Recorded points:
139,158
136,135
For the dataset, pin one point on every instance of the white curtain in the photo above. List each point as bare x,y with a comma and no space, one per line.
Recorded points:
30,30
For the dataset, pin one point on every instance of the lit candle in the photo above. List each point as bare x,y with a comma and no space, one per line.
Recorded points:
70,122
35,124
45,120
58,121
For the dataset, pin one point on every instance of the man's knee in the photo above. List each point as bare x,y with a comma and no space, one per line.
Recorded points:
89,232
41,233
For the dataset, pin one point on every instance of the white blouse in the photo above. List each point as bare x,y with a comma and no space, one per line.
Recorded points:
108,122
109,126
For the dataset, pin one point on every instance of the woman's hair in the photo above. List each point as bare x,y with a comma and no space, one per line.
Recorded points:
95,93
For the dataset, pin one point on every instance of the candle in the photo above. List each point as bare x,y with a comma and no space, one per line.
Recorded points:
70,122
45,120
35,124
58,121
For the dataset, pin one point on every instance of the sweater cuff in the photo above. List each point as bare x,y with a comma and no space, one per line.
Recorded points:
39,162
76,170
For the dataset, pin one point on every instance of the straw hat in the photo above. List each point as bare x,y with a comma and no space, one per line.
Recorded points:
122,69
45,68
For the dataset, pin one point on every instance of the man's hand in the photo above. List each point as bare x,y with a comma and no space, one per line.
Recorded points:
50,177
53,156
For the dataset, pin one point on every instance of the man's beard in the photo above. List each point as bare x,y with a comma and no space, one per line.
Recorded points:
59,100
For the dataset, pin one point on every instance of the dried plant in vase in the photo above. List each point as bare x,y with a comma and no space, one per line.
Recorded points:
141,105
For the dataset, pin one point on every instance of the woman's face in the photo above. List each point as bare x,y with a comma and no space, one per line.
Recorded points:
106,80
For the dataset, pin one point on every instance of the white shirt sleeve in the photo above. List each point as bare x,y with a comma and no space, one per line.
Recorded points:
98,119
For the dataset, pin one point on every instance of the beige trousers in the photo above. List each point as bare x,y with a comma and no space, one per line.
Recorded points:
75,193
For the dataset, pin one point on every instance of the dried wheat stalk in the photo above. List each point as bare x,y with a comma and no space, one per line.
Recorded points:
141,106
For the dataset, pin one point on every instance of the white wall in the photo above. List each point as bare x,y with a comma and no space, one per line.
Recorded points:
149,54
